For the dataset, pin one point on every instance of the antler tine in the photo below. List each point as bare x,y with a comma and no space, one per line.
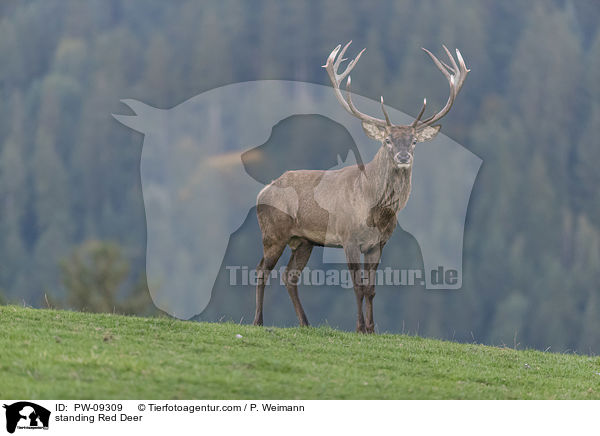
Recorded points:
463,68
387,118
454,68
351,65
438,63
341,58
448,67
333,54
461,61
416,121
333,63
455,74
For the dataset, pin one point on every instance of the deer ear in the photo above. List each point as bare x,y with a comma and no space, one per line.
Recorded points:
374,131
428,133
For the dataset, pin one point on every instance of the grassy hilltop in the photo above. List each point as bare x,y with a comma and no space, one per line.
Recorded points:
49,354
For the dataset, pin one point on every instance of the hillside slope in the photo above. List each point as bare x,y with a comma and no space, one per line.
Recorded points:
49,354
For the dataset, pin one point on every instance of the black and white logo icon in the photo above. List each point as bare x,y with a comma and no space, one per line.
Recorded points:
26,415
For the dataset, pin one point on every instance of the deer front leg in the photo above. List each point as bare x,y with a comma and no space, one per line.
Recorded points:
271,255
372,258
298,260
353,259
260,294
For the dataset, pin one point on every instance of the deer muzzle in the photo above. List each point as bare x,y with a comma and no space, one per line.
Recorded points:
403,159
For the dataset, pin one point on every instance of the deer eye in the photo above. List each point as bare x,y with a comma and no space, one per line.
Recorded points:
387,141
414,141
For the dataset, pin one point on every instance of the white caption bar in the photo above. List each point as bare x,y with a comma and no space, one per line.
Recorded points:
273,417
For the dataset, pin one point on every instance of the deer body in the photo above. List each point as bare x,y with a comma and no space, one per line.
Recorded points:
354,208
361,204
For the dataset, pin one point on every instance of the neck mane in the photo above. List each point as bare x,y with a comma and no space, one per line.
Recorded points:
387,185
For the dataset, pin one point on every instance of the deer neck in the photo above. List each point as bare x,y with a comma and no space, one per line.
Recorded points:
388,185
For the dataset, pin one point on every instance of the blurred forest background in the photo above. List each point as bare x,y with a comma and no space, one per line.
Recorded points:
72,226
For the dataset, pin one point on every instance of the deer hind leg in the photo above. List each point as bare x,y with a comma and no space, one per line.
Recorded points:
271,254
353,258
371,263
301,250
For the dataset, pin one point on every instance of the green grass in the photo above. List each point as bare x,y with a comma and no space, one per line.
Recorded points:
49,354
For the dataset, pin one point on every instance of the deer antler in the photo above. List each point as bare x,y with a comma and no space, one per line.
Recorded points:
456,75
332,65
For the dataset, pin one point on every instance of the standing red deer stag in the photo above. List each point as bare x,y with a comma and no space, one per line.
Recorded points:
362,203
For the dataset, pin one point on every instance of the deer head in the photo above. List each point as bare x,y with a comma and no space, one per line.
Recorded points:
398,140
